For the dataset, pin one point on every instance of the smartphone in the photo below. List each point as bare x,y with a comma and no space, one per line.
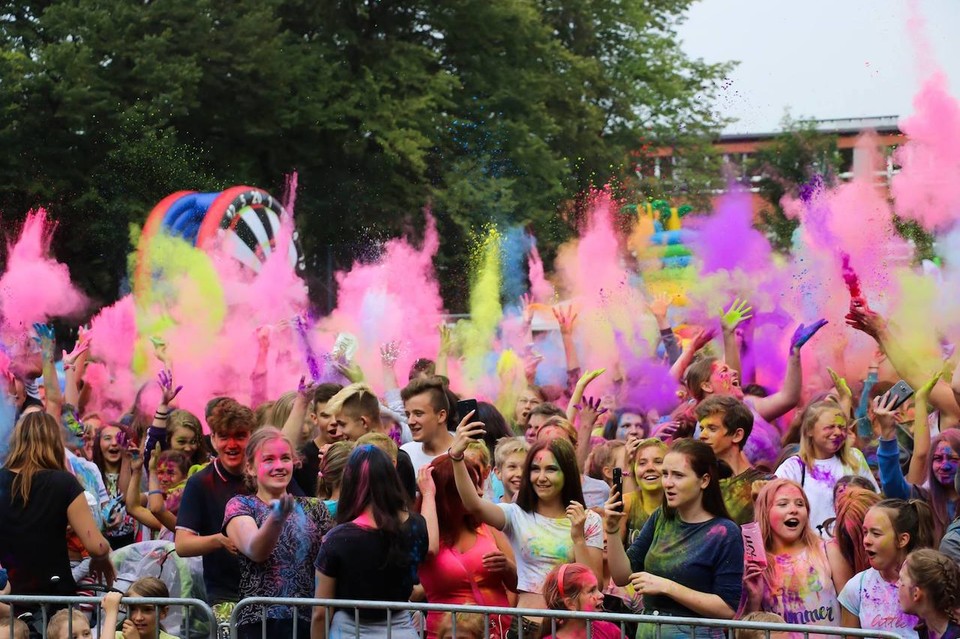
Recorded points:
618,485
901,392
464,407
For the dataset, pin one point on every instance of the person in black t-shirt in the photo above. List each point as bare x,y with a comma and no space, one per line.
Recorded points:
38,499
205,496
324,424
372,516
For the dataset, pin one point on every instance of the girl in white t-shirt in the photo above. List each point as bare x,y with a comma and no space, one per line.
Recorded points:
548,524
797,582
825,456
891,530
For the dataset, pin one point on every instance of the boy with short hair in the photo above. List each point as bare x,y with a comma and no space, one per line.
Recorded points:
508,459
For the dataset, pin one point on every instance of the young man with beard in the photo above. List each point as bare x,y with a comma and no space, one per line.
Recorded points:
430,407
725,426
205,496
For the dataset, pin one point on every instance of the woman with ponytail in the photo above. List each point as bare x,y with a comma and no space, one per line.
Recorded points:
891,530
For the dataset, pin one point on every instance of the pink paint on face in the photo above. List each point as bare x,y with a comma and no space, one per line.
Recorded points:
725,380
273,466
168,474
590,598
110,446
789,515
944,463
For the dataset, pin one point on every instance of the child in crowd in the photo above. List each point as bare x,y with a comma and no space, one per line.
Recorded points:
575,587
143,620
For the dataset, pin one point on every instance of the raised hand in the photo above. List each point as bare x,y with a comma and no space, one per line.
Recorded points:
884,411
446,339
160,350
46,338
701,338
390,353
803,334
81,346
923,393
659,306
577,514
466,432
282,508
738,312
589,411
865,319
566,319
168,392
840,384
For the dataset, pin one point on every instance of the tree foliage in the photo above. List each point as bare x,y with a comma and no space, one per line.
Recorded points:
487,110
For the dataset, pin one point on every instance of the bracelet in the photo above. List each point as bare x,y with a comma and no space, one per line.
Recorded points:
154,492
626,473
161,416
456,459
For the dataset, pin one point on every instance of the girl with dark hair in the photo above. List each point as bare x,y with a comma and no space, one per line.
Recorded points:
495,429
549,508
627,423
575,587
372,516
276,535
929,588
467,561
688,559
891,530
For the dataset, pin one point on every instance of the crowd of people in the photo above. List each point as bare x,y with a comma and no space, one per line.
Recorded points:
566,502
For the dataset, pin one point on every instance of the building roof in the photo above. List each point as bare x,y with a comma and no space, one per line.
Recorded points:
838,126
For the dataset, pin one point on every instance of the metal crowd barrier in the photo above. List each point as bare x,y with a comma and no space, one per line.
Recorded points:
39,604
622,620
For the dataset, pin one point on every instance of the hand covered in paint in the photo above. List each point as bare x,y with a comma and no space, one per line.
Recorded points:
80,347
495,561
466,432
152,462
160,350
390,353
136,461
613,514
46,338
566,320
886,415
738,312
282,508
865,319
446,340
531,361
263,337
667,431
589,410
425,483
577,514
923,393
646,584
167,390
843,389
526,306
701,338
588,377
350,370
659,306
753,582
803,334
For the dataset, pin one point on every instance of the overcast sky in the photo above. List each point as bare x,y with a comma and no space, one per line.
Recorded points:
819,58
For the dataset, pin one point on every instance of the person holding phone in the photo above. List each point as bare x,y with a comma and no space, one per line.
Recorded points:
549,509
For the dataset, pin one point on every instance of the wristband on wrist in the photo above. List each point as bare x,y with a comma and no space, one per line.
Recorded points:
452,458
154,492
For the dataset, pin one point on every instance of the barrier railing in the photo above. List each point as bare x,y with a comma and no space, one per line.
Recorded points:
38,605
660,622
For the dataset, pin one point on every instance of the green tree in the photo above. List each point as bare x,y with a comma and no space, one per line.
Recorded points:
791,159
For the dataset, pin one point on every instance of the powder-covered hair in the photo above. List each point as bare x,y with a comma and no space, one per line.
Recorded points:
762,506
566,582
381,441
939,497
938,576
852,507
811,415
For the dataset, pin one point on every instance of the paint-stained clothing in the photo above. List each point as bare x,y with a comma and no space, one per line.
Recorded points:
706,557
288,571
874,601
543,543
738,494
804,593
818,482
